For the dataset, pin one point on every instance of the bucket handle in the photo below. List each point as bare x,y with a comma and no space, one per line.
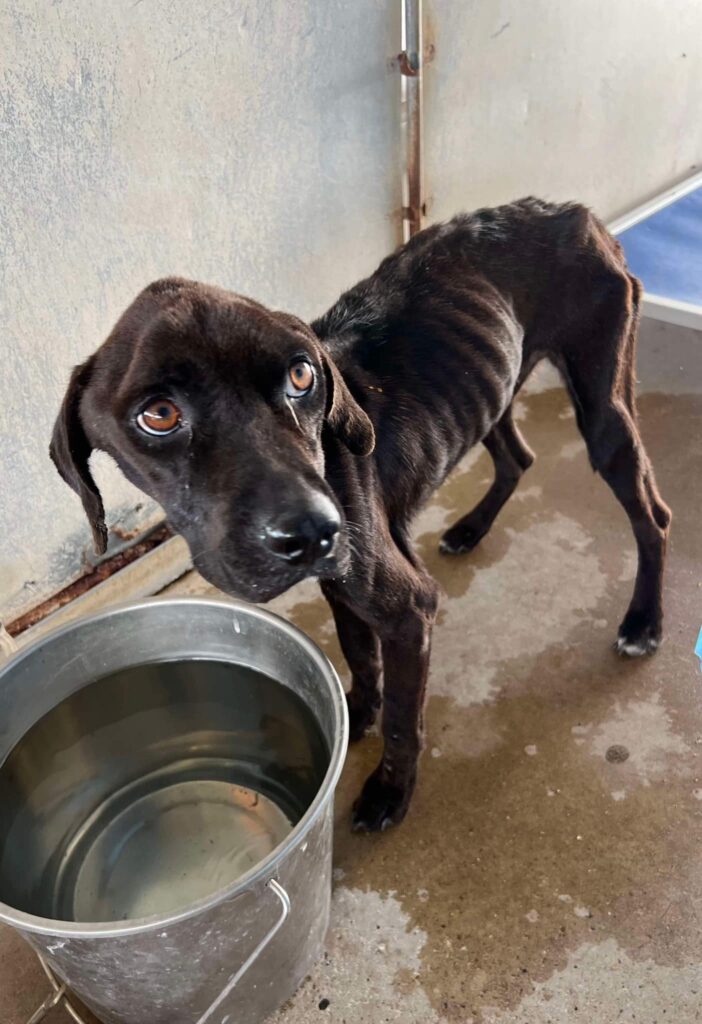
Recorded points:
59,995
60,992
284,899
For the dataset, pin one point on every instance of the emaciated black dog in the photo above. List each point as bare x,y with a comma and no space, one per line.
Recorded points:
281,450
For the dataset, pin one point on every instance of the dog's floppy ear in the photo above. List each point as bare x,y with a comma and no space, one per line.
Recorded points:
70,450
344,415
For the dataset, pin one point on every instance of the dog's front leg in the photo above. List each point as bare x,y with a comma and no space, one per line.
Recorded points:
361,648
405,642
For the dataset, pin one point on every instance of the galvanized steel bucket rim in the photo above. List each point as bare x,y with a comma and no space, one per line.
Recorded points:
264,868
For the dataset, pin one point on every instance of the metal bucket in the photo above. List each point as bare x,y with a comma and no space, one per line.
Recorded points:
166,798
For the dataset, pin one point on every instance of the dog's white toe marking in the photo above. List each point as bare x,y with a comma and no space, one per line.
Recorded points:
631,650
635,650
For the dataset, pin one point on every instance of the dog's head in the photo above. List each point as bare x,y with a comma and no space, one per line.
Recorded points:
215,406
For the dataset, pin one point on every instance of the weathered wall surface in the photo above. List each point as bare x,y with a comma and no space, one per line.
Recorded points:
256,144
596,100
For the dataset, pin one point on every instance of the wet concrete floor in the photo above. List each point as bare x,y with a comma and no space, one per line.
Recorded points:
550,868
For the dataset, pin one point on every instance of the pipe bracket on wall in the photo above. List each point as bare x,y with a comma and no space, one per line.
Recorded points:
408,63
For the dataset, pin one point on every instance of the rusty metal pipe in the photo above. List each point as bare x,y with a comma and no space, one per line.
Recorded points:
411,66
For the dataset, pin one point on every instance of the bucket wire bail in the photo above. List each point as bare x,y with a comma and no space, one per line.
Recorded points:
282,895
58,995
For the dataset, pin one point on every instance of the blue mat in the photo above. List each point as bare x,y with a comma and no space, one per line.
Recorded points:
665,250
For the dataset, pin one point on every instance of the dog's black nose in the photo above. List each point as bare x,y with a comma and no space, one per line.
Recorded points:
304,538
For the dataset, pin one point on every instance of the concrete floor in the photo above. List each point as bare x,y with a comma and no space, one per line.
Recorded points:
537,879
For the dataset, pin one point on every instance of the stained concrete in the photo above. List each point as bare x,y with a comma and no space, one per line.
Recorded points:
549,869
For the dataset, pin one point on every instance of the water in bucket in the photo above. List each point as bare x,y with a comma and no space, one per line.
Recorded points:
154,787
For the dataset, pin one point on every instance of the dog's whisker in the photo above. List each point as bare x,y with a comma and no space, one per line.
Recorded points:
353,548
353,527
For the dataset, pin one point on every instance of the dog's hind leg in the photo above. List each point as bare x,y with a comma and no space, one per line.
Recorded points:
361,648
606,415
661,512
512,457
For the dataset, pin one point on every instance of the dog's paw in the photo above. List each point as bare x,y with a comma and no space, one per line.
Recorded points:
380,805
461,539
638,636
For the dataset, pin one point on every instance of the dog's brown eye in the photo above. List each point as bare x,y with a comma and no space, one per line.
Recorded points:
301,379
160,417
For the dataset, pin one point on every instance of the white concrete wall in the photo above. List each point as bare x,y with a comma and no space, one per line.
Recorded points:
597,100
255,144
